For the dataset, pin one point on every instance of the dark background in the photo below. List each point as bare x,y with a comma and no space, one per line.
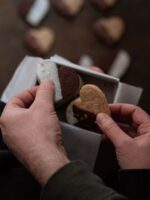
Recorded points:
75,37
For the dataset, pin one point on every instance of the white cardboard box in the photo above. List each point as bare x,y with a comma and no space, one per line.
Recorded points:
115,91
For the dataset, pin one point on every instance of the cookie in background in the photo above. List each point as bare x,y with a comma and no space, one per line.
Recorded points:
39,41
110,29
104,4
68,7
34,11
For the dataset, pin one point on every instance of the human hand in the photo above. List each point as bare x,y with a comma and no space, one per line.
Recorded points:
132,144
31,130
96,69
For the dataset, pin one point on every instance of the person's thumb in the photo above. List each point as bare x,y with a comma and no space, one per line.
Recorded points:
111,129
45,94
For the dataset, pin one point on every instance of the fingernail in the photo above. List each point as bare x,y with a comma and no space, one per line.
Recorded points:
45,81
100,117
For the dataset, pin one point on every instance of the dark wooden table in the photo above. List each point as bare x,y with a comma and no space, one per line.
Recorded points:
75,37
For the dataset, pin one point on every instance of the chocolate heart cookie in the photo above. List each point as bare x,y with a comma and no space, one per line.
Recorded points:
83,110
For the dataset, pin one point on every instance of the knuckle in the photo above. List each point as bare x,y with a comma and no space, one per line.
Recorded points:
12,99
144,129
125,143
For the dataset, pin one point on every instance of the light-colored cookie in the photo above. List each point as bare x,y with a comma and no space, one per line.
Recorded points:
68,7
92,100
110,29
104,4
40,40
34,11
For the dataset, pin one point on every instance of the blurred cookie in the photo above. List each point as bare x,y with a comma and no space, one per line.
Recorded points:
104,4
34,11
110,30
39,41
68,7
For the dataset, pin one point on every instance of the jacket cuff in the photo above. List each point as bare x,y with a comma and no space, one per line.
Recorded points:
61,180
75,181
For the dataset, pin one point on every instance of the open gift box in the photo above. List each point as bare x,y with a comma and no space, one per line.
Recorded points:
77,141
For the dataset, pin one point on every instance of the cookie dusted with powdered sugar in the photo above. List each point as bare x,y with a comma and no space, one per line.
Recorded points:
67,81
34,11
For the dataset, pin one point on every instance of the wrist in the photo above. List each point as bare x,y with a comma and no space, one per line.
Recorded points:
42,166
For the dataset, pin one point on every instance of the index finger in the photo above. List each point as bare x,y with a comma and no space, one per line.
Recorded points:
128,113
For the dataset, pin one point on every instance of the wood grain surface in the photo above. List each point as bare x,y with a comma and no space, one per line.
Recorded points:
75,37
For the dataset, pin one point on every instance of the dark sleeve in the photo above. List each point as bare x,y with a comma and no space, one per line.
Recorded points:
75,182
135,184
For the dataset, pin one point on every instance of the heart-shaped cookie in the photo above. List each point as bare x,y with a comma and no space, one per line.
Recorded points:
92,100
68,7
83,110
